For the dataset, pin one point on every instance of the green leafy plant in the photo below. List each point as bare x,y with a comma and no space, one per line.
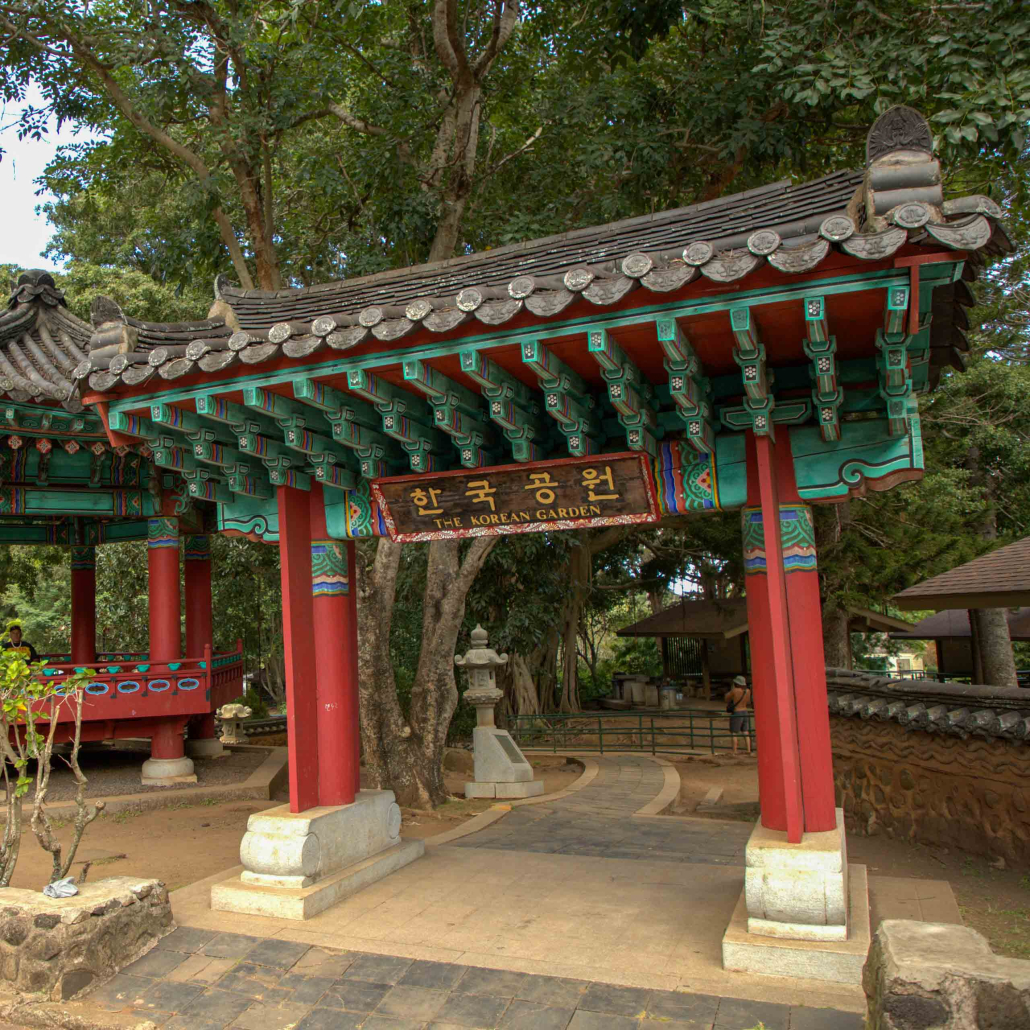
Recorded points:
255,702
30,710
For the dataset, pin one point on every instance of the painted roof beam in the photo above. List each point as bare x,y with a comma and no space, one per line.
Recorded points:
335,404
689,390
238,418
749,354
193,426
567,399
630,394
821,349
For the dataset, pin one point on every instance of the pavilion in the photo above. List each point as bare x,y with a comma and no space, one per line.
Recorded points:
952,634
762,352
708,637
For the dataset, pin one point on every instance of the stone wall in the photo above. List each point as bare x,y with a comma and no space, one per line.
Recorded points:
969,793
58,947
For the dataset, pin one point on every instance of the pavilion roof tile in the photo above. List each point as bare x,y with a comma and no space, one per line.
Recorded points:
953,624
867,214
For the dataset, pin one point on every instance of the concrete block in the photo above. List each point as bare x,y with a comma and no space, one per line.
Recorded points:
303,903
166,772
498,758
295,849
480,790
837,961
205,747
532,789
797,884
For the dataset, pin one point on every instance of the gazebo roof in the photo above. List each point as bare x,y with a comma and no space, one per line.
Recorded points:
1000,579
953,624
724,619
869,215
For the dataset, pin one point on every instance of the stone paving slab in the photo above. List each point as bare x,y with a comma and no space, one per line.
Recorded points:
276,984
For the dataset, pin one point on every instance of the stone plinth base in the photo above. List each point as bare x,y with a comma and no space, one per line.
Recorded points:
524,789
298,864
236,895
167,772
838,961
205,747
59,946
797,891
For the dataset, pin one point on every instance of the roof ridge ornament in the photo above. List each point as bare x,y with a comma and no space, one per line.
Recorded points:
898,128
33,283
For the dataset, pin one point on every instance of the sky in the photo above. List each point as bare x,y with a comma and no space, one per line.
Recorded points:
25,232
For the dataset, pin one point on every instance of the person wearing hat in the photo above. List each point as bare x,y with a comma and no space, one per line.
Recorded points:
738,698
19,646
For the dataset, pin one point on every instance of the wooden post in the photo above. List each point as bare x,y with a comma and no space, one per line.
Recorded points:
163,597
779,763
350,631
976,675
197,559
337,728
298,646
84,605
706,670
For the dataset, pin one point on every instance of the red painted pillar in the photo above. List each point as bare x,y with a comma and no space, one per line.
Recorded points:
350,633
166,741
164,600
84,605
795,768
334,651
298,646
197,569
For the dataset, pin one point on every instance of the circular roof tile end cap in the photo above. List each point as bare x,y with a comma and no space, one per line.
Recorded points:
898,128
763,242
636,265
578,279
698,253
238,341
418,310
521,287
837,228
323,325
469,299
910,216
280,332
369,317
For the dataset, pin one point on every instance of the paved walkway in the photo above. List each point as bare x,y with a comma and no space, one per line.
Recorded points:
599,821
203,980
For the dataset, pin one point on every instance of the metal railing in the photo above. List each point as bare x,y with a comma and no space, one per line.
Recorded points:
684,731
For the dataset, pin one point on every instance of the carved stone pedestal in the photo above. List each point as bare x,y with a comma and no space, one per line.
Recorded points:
803,911
299,864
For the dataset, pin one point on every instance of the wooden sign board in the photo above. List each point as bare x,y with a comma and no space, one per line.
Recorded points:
573,493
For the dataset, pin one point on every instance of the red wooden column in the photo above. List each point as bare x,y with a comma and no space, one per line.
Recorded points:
84,604
164,599
196,554
350,633
805,614
299,646
334,650
795,769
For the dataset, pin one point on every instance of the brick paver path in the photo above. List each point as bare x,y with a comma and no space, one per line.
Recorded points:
202,980
597,820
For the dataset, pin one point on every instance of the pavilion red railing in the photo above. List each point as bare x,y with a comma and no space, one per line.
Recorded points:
127,688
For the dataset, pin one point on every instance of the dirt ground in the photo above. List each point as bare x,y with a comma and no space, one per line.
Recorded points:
190,841
996,902
114,768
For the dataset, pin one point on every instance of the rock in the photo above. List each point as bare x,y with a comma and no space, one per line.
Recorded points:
999,863
59,946
940,976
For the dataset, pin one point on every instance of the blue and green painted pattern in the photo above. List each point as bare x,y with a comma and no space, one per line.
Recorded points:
797,539
328,569
162,533
84,559
197,547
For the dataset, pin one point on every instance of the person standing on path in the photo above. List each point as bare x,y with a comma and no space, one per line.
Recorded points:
738,699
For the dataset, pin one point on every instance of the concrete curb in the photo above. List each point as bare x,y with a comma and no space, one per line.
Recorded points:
260,785
667,795
495,812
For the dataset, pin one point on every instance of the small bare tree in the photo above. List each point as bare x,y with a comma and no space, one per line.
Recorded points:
30,699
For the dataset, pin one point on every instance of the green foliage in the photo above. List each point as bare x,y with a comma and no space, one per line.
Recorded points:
255,702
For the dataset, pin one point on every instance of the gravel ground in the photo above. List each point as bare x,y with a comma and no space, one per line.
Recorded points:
116,770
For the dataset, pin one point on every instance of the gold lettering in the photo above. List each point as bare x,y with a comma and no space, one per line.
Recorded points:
425,501
594,509
592,479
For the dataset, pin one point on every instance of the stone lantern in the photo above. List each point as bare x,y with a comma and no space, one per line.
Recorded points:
501,770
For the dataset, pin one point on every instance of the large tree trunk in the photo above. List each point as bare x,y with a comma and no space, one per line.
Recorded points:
580,567
991,633
836,637
407,756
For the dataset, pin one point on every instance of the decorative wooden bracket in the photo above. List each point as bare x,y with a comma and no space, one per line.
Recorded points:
567,399
821,349
690,391
630,394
